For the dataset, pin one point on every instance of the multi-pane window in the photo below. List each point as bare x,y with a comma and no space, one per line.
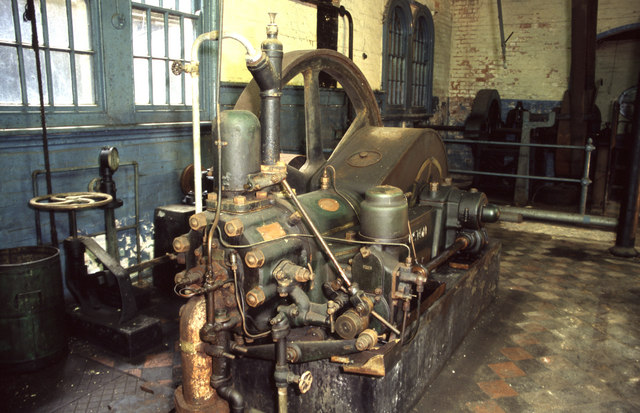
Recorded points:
162,32
397,56
67,54
421,62
408,62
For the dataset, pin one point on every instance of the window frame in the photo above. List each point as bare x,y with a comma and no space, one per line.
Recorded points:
26,116
113,88
407,111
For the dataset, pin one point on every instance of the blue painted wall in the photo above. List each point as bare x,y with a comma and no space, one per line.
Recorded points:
162,153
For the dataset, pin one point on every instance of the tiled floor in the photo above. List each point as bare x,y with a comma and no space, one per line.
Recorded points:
563,335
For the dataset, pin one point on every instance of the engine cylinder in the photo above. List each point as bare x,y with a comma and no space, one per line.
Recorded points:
240,129
384,214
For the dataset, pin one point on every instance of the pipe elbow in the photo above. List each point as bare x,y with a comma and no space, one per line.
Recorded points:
233,396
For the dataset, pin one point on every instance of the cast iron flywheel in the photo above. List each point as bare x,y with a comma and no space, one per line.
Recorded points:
310,63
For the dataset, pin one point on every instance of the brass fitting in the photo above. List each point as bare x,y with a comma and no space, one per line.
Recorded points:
255,297
181,244
365,251
324,180
234,228
239,200
198,221
366,340
254,258
303,275
294,219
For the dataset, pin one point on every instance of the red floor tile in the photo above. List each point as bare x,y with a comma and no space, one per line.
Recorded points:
507,370
516,353
497,389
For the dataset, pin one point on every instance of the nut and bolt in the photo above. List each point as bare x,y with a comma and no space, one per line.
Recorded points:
350,235
254,259
234,228
294,218
181,244
433,186
198,221
303,275
261,195
212,196
255,297
239,200
365,251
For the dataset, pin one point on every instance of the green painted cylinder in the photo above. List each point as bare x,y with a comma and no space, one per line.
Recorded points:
384,214
31,308
240,130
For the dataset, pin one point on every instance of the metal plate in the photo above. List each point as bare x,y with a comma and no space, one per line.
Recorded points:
364,158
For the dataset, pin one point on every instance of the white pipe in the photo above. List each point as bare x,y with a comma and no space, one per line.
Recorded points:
194,70
252,55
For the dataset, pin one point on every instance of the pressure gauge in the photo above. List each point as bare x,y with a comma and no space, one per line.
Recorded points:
109,157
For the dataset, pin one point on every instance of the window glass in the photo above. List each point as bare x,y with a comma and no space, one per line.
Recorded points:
139,29
397,57
157,35
59,53
81,25
61,78
7,32
171,33
175,38
25,26
9,94
84,74
141,73
31,78
159,77
420,63
58,33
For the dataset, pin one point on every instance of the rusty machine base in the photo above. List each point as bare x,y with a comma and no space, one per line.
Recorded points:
408,370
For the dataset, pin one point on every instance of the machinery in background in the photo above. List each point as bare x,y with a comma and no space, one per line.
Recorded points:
108,304
331,260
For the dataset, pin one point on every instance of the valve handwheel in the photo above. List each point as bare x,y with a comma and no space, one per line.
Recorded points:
70,201
304,383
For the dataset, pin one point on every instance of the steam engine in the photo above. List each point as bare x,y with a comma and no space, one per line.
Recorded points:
296,265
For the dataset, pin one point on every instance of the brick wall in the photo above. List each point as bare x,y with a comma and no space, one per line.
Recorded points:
618,62
538,52
297,24
537,64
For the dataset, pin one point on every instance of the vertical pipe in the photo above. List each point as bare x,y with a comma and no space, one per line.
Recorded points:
270,99
195,118
630,205
281,365
585,181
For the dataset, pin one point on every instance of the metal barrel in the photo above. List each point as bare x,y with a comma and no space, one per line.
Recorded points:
31,308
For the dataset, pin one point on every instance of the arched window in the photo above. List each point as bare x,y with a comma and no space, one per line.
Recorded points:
422,65
397,56
407,62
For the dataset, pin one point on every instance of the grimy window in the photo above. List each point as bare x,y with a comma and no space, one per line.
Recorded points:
407,75
67,54
162,32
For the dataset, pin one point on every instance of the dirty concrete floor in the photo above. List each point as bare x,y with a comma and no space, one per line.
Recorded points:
562,335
